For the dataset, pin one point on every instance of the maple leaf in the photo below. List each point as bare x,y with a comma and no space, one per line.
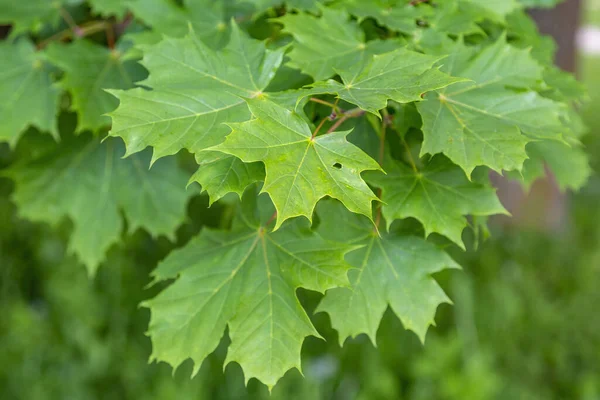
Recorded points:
399,15
495,9
300,169
90,184
569,163
439,195
90,69
486,121
30,14
390,269
109,8
245,279
28,96
401,75
209,18
194,91
219,174
344,43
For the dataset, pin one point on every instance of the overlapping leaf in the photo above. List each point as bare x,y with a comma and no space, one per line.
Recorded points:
90,69
389,270
300,169
325,44
486,121
28,96
220,174
399,15
90,184
440,196
495,9
194,91
109,7
245,279
569,164
401,75
30,14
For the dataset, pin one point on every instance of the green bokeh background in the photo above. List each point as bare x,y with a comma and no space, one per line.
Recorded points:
525,324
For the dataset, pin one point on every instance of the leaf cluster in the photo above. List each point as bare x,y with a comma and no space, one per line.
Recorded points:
357,139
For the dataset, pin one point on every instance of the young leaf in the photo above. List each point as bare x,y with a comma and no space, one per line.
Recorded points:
401,75
245,279
329,43
27,95
390,270
300,169
484,122
90,69
89,183
195,90
440,196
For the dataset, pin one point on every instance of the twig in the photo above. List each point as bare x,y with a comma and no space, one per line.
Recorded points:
326,103
357,112
110,35
85,30
319,127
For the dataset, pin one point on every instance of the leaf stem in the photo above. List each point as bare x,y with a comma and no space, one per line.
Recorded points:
69,20
271,219
85,30
411,160
326,103
319,127
354,113
384,124
110,35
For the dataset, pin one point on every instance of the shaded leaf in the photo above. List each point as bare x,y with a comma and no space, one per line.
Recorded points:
90,184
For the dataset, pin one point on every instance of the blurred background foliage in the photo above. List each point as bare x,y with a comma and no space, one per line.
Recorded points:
524,324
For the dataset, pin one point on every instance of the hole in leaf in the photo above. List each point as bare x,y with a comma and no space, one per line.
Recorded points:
337,165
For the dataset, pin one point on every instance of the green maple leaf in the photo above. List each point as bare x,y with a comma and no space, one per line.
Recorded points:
389,270
569,164
486,121
401,75
495,9
30,14
245,279
540,3
398,15
194,91
28,96
108,8
89,183
219,174
90,69
300,169
209,18
329,43
439,195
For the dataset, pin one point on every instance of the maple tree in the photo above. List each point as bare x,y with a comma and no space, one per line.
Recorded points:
357,135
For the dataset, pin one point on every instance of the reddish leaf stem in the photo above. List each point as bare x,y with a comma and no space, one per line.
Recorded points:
357,112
